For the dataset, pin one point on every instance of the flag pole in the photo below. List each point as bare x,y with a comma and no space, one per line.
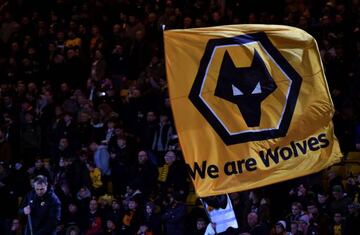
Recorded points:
30,224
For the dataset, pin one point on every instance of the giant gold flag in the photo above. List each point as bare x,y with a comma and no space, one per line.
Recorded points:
251,105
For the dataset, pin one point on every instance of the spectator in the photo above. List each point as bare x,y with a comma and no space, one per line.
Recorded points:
42,220
16,228
352,219
132,217
294,229
172,175
174,215
280,228
254,226
296,213
101,157
152,220
338,226
111,227
340,201
323,203
200,227
162,135
144,174
303,223
318,222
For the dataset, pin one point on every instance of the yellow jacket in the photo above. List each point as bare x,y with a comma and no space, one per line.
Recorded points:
95,177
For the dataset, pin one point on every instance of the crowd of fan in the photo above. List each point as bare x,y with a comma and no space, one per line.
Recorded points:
84,102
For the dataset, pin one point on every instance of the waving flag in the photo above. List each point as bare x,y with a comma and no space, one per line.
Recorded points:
251,105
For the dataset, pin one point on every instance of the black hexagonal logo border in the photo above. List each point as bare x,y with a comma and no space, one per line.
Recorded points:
258,135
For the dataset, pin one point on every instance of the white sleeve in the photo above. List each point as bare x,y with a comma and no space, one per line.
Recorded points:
209,230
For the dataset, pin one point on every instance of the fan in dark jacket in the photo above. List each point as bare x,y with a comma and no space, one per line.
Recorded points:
174,215
43,208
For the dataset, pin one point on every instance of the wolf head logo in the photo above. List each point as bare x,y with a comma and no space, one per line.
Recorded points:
246,87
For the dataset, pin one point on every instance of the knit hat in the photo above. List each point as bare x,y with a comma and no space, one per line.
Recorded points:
337,188
305,218
282,223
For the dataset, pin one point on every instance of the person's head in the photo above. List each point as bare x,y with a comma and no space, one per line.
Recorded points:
62,162
164,119
93,145
98,55
32,88
29,117
63,143
64,87
133,204
71,53
132,19
67,117
72,208
116,29
301,190
93,205
73,231
252,219
187,22
170,157
303,222
83,192
58,111
15,225
280,227
150,116
337,192
65,188
337,218
312,208
294,227
296,208
110,224
352,208
200,224
216,16
20,87
121,141
48,96
152,17
115,205
331,175
38,163
322,197
7,100
111,124
149,208
142,157
199,22
95,30
96,224
40,185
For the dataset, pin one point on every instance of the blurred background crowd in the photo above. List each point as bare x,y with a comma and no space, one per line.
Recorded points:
84,101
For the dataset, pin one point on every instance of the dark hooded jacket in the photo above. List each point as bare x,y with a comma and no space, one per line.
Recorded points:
45,212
